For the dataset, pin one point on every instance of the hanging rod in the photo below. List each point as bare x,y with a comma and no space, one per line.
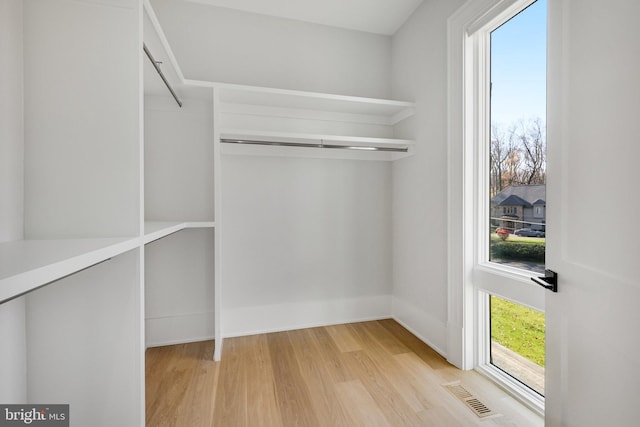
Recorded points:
164,79
313,145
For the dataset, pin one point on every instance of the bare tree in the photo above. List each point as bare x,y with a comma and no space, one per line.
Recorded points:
498,156
517,155
533,145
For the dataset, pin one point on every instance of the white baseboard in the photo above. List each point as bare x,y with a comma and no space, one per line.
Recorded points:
193,327
179,329
284,317
421,324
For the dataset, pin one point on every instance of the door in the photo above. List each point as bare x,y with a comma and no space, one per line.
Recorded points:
593,240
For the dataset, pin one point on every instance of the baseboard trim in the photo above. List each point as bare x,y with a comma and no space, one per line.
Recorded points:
244,321
179,341
179,329
420,324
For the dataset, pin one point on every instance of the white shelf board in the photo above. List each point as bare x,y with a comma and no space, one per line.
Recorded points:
26,265
154,230
392,110
286,98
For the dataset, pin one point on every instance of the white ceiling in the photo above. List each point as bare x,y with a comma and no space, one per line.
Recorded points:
374,16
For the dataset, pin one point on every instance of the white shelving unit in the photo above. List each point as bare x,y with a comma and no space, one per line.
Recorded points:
77,274
332,126
265,143
122,199
179,230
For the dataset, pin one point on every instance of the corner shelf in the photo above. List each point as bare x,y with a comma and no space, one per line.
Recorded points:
154,230
387,111
26,265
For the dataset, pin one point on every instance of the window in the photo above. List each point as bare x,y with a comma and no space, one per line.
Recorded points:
477,202
518,342
510,106
517,172
517,136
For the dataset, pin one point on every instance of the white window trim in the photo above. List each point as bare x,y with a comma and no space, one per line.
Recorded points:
467,305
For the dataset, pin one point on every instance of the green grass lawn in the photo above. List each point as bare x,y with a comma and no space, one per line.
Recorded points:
518,328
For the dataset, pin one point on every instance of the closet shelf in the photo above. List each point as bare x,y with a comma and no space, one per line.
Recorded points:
386,111
154,230
26,265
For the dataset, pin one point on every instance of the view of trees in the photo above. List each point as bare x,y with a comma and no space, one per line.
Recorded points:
518,155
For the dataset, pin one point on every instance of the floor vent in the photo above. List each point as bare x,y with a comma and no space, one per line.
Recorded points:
472,402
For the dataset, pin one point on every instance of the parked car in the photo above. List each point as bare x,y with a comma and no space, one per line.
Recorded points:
527,232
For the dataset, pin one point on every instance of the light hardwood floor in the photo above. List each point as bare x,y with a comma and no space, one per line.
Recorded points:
359,374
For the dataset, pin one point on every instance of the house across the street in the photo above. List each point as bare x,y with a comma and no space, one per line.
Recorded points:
520,206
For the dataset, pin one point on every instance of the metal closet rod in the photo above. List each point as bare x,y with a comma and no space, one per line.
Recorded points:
313,145
164,79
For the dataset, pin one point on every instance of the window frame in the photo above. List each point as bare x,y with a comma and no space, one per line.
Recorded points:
468,232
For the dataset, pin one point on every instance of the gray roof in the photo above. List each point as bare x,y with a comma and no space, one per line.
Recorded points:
530,193
539,202
514,200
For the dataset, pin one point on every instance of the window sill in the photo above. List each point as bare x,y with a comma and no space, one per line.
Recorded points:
515,388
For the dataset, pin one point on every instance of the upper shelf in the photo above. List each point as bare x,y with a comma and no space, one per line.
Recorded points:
390,110
357,127
393,111
26,265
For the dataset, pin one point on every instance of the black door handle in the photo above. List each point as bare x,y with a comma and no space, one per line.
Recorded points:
548,281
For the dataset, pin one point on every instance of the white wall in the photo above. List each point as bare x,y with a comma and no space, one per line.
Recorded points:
419,73
82,119
178,159
84,344
13,353
226,45
179,300
306,242
13,388
11,121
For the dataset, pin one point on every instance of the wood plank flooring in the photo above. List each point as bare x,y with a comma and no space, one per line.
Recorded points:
359,374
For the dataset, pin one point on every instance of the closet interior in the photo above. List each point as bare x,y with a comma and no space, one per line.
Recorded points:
125,233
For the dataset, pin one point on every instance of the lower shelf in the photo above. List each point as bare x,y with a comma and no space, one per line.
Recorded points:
154,230
26,265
